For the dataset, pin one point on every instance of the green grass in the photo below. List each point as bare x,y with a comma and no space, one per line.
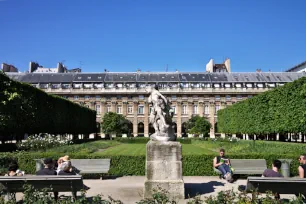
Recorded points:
89,147
197,147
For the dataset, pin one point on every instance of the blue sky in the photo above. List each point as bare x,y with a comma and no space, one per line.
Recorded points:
126,35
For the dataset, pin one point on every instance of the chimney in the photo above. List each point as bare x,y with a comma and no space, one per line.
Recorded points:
227,64
8,68
33,67
210,66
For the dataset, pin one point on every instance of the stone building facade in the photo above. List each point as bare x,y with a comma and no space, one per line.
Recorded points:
190,93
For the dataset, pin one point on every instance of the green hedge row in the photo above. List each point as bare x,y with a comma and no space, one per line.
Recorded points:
281,110
26,109
193,165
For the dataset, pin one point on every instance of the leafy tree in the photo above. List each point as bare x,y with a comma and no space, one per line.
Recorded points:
113,123
198,125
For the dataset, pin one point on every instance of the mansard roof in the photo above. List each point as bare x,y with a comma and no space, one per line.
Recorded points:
157,77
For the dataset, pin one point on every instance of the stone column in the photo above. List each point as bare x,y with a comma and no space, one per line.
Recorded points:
164,169
179,118
201,109
212,119
146,119
103,111
113,107
135,121
190,109
124,108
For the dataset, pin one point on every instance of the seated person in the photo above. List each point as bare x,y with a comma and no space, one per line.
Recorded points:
13,170
67,169
48,169
274,172
61,162
222,163
302,167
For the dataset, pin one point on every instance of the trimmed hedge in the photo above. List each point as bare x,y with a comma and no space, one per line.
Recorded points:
26,109
193,165
281,110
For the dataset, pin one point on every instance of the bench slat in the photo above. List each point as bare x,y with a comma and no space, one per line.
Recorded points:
58,183
277,185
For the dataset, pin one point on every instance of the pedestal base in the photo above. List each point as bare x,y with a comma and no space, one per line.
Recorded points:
164,169
175,188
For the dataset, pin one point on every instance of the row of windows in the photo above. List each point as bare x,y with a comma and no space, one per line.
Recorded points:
141,97
140,110
161,85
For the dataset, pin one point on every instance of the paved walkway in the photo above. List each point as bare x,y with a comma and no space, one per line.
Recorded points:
129,189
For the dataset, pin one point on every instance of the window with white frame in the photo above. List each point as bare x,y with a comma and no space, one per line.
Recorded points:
195,109
206,109
239,97
87,97
119,109
140,109
141,97
184,109
150,109
76,97
228,97
98,109
130,109
218,97
108,109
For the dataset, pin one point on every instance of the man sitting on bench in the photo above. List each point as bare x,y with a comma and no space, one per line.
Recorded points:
276,165
222,163
302,167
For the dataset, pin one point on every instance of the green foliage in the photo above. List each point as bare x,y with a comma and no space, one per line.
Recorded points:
26,109
113,123
281,110
198,125
160,196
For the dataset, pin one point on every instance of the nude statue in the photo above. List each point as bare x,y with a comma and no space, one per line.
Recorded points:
159,116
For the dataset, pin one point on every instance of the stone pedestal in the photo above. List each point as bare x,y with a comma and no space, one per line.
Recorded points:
164,169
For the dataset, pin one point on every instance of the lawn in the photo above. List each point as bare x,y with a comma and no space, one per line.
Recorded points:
197,147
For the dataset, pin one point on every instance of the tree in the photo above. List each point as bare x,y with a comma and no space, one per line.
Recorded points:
113,123
198,125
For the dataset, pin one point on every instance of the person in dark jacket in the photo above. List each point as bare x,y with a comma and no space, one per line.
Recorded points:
48,169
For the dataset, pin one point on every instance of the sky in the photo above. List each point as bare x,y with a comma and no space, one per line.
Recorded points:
151,35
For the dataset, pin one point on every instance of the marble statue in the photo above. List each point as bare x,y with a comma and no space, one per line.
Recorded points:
160,116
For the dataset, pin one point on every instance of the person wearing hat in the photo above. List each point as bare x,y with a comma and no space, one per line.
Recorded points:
48,169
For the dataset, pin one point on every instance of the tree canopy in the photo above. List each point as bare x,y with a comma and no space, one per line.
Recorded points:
198,125
281,110
113,123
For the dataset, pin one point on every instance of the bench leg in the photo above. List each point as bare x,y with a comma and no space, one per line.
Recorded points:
74,195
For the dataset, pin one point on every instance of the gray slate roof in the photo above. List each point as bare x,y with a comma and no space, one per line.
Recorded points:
154,77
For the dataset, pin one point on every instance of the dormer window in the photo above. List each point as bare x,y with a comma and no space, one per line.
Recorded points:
79,77
88,77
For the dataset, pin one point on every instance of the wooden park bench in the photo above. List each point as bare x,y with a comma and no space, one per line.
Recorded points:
247,166
276,185
84,166
14,184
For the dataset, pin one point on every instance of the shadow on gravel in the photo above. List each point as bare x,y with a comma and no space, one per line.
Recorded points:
194,189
